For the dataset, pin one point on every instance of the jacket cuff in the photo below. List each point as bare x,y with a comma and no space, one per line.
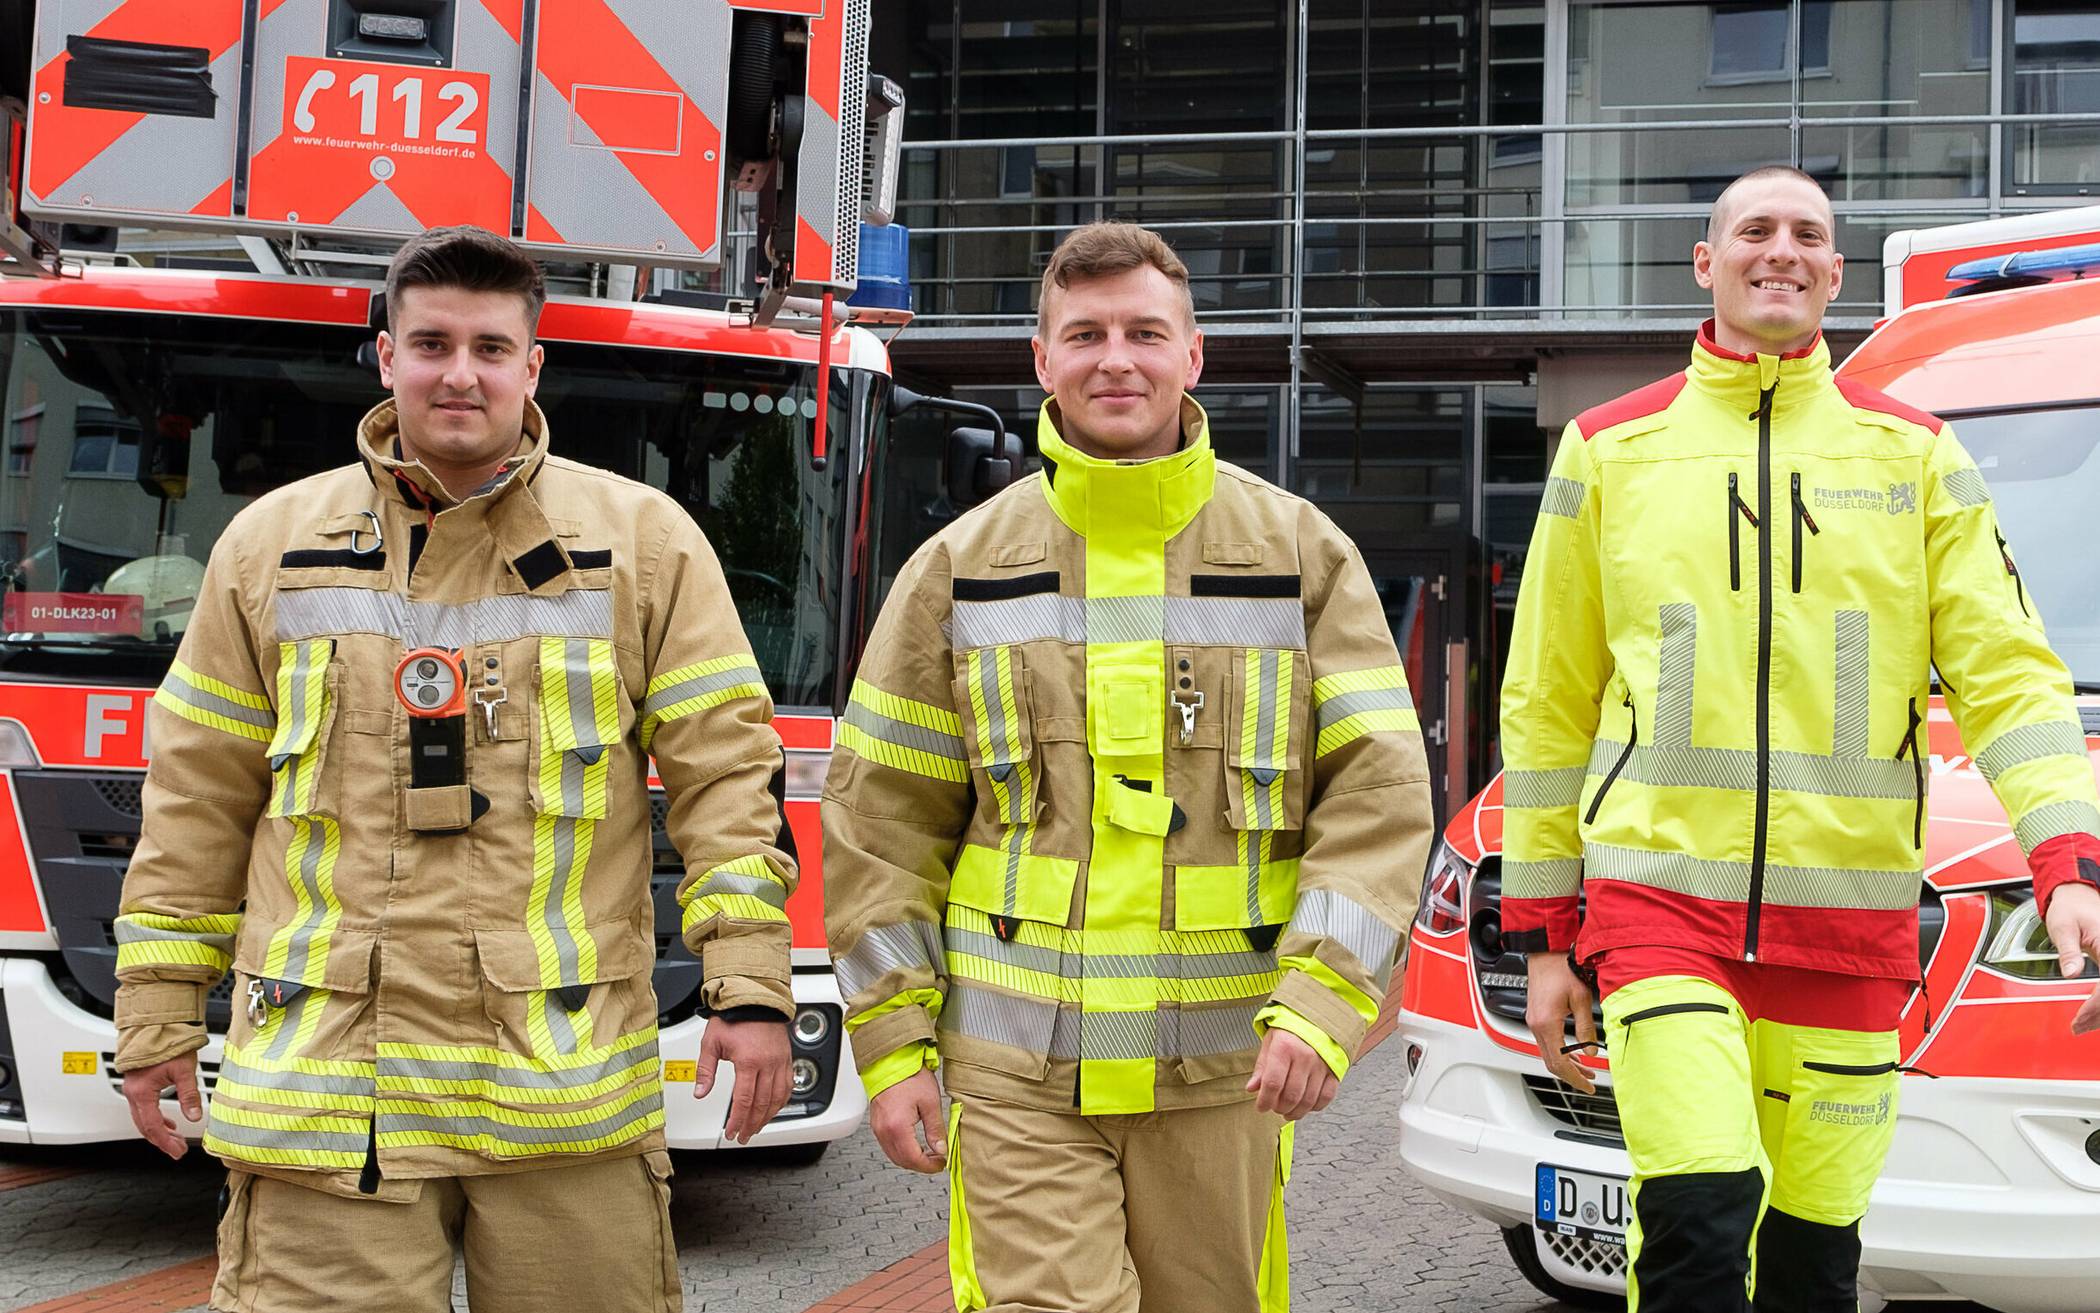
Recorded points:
2065,859
758,956
1282,1018
1539,925
1322,1008
159,1003
734,993
148,1046
878,1036
897,1066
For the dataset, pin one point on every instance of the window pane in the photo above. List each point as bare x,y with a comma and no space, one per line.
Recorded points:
1027,68
1667,167
2055,70
1749,41
1217,66
1635,265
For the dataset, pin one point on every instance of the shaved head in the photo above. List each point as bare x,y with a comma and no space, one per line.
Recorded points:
1723,212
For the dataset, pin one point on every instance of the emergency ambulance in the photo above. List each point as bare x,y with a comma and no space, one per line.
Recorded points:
1992,1190
140,408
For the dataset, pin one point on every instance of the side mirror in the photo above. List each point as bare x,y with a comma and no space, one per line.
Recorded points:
980,463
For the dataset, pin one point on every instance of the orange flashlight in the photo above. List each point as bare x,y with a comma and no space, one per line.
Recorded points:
432,683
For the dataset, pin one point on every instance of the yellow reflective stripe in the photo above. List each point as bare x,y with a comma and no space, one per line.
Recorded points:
1364,1005
299,949
991,679
734,907
930,999
1283,1018
216,704
226,1087
254,1059
695,688
953,770
923,714
962,1253
483,1089
285,1121
1373,680
1368,722
474,1106
302,701
220,688
899,1065
169,952
488,1143
1112,994
514,1061
220,1148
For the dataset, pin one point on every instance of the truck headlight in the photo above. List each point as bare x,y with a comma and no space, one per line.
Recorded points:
1443,908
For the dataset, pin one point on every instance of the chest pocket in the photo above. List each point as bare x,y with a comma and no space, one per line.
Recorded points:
577,724
991,691
1265,749
307,683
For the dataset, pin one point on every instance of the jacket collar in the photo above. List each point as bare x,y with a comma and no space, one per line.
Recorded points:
1156,497
378,442
1741,379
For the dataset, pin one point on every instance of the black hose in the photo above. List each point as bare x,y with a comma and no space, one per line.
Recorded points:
754,57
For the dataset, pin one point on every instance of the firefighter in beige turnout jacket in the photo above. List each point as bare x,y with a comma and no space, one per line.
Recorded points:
1129,778
443,997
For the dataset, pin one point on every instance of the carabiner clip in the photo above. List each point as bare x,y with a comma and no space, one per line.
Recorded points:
378,537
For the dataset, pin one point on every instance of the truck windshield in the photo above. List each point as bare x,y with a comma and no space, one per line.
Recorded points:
131,440
2043,467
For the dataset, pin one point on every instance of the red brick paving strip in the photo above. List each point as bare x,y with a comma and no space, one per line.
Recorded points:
918,1284
13,1176
185,1285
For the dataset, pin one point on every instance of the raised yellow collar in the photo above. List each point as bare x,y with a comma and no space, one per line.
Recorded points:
1158,496
1741,379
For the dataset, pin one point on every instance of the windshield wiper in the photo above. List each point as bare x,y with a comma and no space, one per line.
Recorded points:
2085,686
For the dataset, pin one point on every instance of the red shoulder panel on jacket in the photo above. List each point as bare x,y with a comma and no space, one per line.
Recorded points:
1641,401
1863,397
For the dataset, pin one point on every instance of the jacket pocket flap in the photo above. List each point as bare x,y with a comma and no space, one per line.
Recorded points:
1265,729
340,962
512,961
1042,885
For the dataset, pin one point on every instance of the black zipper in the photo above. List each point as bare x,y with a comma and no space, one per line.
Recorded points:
2019,587
1801,517
1917,761
1735,530
1843,1069
1764,673
1671,1009
1633,737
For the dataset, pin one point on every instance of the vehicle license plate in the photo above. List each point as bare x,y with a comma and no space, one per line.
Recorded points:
1587,1205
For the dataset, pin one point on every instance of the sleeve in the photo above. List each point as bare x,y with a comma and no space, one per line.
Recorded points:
708,720
2010,694
1368,824
895,805
210,725
1552,688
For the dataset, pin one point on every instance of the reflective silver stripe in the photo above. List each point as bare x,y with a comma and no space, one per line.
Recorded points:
304,613
1556,877
291,1023
131,932
1018,620
1849,733
905,946
1344,705
319,909
354,1086
1543,788
1330,914
1236,621
736,882
2047,822
2016,747
1218,621
700,686
1038,1026
1785,886
1679,660
258,1137
1736,769
393,1070
1563,497
1966,487
180,689
1268,666
1107,966
397,1123
904,734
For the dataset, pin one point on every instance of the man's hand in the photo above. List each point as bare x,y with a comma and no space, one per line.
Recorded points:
1554,994
758,1050
142,1091
899,1113
2074,927
1290,1077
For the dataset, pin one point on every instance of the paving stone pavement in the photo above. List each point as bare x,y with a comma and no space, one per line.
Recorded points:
759,1237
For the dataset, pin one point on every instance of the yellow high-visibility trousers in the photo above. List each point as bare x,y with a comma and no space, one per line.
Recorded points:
1163,1212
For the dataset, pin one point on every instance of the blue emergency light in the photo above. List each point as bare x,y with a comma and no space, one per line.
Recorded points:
885,268
2034,266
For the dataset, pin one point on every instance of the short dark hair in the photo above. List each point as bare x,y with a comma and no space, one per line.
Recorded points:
1716,215
1106,248
466,257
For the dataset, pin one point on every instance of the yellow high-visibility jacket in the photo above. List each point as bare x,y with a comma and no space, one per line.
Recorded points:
1130,773
448,979
1713,721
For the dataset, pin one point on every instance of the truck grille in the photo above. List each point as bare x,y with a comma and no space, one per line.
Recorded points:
1592,1114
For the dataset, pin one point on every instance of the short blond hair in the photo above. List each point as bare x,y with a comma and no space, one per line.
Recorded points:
1099,250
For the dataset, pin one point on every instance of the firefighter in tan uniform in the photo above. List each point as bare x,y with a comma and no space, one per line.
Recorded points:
440,924
1124,831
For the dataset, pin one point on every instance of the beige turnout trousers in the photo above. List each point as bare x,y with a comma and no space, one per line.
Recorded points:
1054,1212
595,1235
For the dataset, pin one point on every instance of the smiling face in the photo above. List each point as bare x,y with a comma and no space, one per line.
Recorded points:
1771,262
1117,351
461,365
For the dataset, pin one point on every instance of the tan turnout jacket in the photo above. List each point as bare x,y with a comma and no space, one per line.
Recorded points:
1130,773
445,979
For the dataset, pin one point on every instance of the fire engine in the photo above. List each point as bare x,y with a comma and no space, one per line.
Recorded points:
1992,1190
143,407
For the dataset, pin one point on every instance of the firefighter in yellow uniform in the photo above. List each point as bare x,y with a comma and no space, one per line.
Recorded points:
1129,802
440,926
1714,721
